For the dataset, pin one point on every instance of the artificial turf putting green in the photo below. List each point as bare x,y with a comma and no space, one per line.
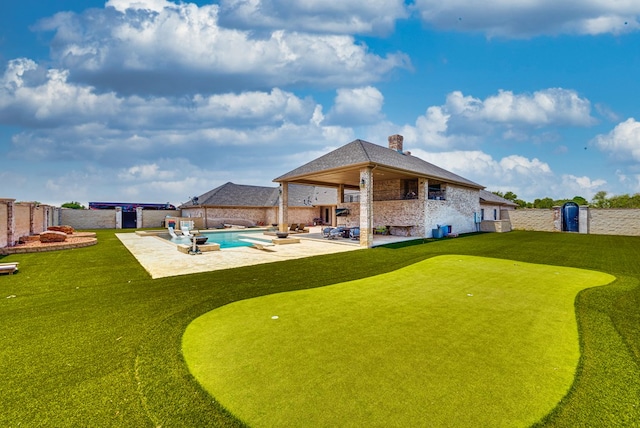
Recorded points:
449,341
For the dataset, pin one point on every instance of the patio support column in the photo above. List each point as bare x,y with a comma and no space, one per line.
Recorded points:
139,214
340,194
118,217
366,207
423,197
283,205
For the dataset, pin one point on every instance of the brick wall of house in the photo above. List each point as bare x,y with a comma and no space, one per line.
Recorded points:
215,214
266,216
457,210
408,212
425,215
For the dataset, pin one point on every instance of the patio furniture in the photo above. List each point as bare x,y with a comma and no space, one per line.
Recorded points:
172,232
302,228
293,227
11,267
337,232
354,233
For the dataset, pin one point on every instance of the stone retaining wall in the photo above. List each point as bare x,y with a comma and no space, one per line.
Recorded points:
599,221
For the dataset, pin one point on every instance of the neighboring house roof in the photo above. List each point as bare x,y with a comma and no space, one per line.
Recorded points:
241,195
342,165
492,198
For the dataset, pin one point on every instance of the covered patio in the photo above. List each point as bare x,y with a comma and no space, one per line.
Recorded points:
390,188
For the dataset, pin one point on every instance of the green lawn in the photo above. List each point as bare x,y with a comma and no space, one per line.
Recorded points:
469,341
90,340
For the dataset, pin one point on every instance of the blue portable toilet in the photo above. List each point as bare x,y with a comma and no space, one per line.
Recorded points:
570,217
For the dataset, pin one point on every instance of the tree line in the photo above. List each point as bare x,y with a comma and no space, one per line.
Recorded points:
599,200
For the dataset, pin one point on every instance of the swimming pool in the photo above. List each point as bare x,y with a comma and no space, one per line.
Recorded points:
226,239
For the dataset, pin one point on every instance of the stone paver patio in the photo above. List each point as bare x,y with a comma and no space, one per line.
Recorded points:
161,258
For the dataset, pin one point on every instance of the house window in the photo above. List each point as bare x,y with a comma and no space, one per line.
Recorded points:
495,214
482,214
437,191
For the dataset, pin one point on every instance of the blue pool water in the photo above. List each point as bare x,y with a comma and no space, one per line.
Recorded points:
226,239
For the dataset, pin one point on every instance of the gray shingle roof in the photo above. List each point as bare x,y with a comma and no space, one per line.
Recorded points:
360,152
240,195
493,198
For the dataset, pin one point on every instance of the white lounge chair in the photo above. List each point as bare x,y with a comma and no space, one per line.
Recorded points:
172,232
185,231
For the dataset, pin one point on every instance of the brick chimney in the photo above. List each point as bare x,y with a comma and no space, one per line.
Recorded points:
395,142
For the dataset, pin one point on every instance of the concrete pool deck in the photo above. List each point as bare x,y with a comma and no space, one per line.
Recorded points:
161,258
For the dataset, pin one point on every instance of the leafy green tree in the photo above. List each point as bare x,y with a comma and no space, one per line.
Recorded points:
510,196
73,205
523,204
580,200
544,203
600,200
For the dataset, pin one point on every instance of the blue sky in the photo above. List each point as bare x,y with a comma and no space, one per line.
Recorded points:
156,101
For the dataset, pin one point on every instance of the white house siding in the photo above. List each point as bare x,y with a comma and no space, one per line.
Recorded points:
457,210
490,210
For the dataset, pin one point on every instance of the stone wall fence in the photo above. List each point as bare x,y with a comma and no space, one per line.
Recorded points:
595,221
112,219
20,219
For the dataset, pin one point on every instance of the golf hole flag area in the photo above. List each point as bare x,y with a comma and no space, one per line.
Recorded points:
449,341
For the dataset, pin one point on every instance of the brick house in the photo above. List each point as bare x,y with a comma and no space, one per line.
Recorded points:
247,205
380,187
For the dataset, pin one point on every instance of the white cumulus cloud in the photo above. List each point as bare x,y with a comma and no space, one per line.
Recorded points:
532,18
165,47
356,106
623,142
465,120
318,16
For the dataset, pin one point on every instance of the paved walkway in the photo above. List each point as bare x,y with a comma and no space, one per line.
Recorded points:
161,258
